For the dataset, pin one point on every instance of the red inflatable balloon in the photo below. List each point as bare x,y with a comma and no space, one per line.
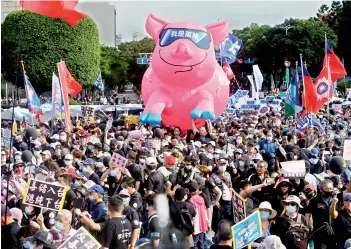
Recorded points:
55,9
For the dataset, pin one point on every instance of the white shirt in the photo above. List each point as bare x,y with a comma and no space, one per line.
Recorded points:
70,234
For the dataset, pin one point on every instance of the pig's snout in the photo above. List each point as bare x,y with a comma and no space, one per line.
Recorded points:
182,51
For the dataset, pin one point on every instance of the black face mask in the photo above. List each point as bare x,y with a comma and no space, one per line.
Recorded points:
327,193
309,195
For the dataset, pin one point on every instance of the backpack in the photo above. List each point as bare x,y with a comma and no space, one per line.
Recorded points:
297,233
185,221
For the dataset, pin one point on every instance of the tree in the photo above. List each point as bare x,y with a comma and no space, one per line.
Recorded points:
41,42
344,34
130,52
322,11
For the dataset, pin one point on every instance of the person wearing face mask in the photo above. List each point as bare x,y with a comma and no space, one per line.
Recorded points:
42,239
88,169
136,201
267,215
342,219
223,209
69,161
283,225
96,204
63,223
135,170
37,156
17,157
132,216
318,209
316,166
268,148
46,155
66,179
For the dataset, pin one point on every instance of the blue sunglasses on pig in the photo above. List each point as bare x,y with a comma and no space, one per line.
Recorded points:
202,39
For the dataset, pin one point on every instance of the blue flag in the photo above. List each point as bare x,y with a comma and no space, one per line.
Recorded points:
229,49
32,97
99,84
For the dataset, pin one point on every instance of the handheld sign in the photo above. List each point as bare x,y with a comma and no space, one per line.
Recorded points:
337,107
347,150
294,169
109,124
131,119
118,161
153,143
247,230
44,195
82,239
6,138
239,207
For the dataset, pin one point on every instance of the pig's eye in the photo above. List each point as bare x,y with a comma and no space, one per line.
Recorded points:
202,39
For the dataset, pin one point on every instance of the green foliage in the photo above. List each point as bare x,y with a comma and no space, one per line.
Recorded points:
342,85
344,34
41,42
73,102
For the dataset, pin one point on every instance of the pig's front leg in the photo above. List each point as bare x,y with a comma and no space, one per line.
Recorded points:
205,107
156,104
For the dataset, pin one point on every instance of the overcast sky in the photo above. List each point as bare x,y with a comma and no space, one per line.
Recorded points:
131,15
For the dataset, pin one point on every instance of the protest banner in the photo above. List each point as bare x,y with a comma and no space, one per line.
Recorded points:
109,124
294,169
247,230
44,195
6,138
153,143
347,149
82,239
132,119
118,161
337,107
239,207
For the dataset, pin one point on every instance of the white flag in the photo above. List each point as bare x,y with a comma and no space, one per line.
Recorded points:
56,96
254,92
258,77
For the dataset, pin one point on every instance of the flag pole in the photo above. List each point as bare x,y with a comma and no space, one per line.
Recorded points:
303,81
297,79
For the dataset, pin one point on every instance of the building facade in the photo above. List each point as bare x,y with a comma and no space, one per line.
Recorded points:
7,6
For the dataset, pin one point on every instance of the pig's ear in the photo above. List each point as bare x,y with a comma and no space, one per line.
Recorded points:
154,26
219,31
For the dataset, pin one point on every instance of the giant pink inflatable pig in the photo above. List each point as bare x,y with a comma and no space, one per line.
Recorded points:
184,81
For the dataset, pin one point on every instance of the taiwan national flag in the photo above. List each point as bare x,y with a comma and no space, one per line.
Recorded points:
324,89
337,69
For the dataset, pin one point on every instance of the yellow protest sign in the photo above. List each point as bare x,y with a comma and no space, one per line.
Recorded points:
131,119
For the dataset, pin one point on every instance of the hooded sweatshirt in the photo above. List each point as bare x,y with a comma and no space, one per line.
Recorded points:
200,220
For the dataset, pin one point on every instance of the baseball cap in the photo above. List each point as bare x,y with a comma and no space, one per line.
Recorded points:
151,161
124,192
88,161
69,157
212,143
89,184
346,175
180,193
170,159
69,171
164,171
56,136
46,152
314,152
97,188
43,236
347,197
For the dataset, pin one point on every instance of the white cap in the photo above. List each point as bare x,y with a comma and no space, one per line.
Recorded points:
69,157
164,171
56,136
151,161
46,152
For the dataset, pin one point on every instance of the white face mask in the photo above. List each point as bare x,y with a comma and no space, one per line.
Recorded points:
241,163
313,160
216,156
120,143
269,139
63,138
36,153
290,209
239,141
68,162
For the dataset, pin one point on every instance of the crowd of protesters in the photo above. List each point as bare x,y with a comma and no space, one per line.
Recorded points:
195,172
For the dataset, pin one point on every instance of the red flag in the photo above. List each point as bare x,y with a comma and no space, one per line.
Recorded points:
55,9
228,71
309,95
337,69
323,88
74,88
62,69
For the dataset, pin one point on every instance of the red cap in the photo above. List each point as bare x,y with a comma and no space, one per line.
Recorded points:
70,171
170,160
83,134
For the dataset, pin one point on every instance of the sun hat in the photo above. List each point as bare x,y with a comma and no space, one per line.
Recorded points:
267,205
292,198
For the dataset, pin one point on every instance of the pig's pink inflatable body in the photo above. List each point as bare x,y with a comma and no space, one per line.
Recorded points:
184,81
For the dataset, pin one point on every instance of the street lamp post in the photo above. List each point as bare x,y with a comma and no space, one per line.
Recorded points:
287,27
